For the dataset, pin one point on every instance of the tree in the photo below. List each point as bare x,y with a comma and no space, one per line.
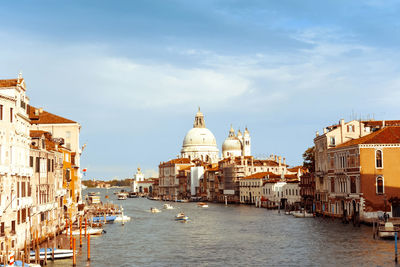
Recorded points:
309,159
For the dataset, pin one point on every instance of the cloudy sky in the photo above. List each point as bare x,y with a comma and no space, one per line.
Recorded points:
134,72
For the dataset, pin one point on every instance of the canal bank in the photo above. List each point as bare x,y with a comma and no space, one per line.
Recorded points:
232,235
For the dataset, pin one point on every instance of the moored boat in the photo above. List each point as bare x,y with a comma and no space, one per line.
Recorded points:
387,230
122,218
108,219
58,253
91,231
300,214
122,196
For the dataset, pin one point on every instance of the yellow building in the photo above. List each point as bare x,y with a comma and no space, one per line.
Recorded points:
364,175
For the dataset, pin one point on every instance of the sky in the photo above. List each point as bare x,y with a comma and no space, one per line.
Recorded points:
133,73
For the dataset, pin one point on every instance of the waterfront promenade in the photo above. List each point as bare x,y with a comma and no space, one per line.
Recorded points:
237,235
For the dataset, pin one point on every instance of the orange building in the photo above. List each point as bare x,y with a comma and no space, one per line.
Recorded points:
364,176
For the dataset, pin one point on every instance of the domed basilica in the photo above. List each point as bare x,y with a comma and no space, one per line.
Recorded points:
200,143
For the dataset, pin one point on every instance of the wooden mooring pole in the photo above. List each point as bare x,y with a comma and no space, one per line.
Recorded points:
88,247
73,253
80,231
395,247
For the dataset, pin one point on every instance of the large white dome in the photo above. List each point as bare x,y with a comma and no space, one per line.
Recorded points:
199,137
199,142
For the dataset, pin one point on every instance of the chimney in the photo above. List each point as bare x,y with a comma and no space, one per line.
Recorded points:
252,161
341,130
325,130
284,161
40,110
316,134
280,158
275,159
383,124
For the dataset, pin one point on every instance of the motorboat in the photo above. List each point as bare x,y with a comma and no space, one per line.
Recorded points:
94,199
91,231
202,205
122,196
122,218
387,230
58,253
132,195
154,210
181,217
300,214
168,207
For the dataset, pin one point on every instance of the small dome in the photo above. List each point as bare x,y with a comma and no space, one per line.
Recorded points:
231,144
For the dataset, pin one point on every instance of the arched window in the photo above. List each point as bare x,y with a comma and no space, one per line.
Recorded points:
379,185
378,159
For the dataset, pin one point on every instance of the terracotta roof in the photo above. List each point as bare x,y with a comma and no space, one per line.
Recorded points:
8,83
213,169
185,168
380,123
386,135
177,161
45,117
260,175
36,134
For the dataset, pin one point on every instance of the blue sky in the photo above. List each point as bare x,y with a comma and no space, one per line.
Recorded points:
134,72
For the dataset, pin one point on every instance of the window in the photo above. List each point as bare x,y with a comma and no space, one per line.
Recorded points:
378,159
379,185
31,161
11,114
353,186
37,165
332,141
1,112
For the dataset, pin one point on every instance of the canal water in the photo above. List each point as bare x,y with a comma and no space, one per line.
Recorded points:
233,235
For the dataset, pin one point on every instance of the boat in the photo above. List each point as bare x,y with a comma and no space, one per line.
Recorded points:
93,198
387,230
202,205
132,195
168,206
300,214
154,210
109,218
122,196
122,218
58,253
181,217
91,231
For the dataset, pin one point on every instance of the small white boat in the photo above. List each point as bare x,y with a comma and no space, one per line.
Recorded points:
122,196
121,218
168,207
154,210
91,231
202,205
300,214
58,254
387,230
181,217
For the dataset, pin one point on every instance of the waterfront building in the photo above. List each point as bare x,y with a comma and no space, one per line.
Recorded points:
168,177
280,192
234,168
47,214
138,177
332,136
237,145
307,190
363,175
184,182
15,172
199,142
69,131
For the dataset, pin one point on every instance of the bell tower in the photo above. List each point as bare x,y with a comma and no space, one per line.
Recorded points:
246,143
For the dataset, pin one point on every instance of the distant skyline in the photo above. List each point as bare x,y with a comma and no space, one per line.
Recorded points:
133,73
